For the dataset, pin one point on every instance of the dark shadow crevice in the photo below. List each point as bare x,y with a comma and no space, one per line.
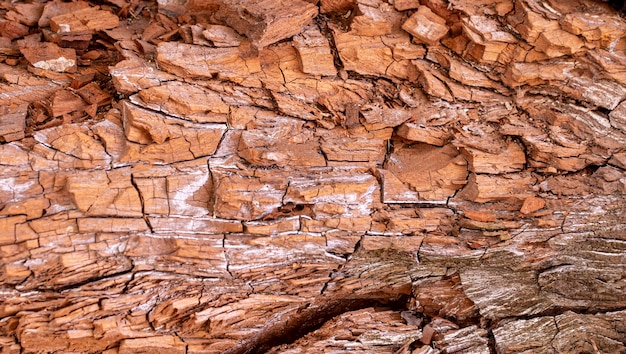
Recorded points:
309,318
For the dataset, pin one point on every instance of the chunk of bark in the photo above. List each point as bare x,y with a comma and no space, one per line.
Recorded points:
49,56
375,18
314,52
202,62
130,76
291,145
426,26
336,6
84,21
13,123
57,8
222,36
434,173
265,22
27,14
158,138
189,102
485,188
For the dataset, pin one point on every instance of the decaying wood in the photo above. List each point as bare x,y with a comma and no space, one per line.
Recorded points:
362,176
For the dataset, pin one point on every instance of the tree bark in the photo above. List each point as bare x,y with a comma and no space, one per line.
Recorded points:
313,176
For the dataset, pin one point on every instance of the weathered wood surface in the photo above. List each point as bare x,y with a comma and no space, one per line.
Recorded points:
362,176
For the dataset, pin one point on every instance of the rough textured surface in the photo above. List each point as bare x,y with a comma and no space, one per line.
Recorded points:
360,176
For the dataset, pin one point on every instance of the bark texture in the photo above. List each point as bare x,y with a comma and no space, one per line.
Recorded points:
363,176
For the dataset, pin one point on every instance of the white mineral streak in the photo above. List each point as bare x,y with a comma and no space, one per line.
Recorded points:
13,187
179,200
64,28
59,64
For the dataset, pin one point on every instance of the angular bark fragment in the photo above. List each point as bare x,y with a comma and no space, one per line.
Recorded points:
374,18
560,333
267,21
484,188
434,173
49,56
99,194
27,14
130,76
222,36
185,101
290,145
202,62
315,53
157,344
336,6
426,26
158,138
89,20
510,159
57,7
354,145
13,123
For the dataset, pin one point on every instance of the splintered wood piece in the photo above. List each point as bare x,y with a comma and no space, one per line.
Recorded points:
246,197
153,31
12,122
336,6
57,7
222,36
189,102
532,204
513,188
85,21
606,31
402,5
368,327
509,158
375,18
197,61
434,173
65,101
431,84
421,133
8,47
558,43
426,26
75,141
529,23
361,54
13,29
314,52
130,76
267,21
532,334
49,56
467,75
27,14
157,345
291,145
376,117
356,145
104,194
618,117
173,8
155,137
93,94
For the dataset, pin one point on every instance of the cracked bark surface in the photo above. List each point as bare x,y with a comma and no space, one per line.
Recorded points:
313,176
